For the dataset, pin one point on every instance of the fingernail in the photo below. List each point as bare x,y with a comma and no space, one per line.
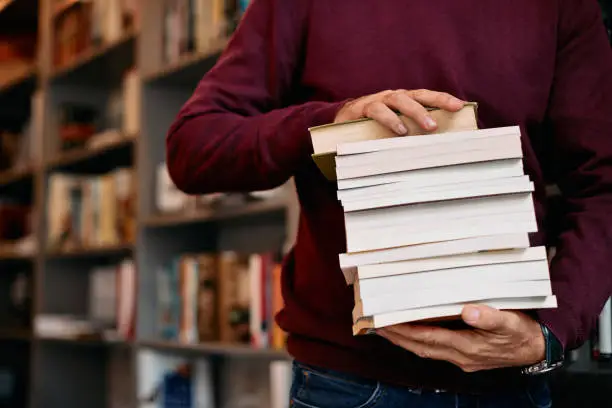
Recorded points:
472,314
401,129
429,122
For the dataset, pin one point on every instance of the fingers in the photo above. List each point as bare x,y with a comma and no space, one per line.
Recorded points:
402,102
383,107
355,109
433,336
489,319
435,99
423,350
500,339
433,351
380,112
410,104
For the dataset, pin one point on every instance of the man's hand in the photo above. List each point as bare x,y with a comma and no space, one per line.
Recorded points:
380,107
498,339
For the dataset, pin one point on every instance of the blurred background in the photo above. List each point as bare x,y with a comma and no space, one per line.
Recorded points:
117,290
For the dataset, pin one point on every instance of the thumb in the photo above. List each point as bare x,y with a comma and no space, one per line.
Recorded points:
486,318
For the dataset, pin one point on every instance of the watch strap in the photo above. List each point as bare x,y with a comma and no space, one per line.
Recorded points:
554,355
554,348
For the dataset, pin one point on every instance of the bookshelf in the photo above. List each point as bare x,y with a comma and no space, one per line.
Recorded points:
100,371
18,81
103,371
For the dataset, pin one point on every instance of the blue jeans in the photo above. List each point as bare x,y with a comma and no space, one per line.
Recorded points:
315,387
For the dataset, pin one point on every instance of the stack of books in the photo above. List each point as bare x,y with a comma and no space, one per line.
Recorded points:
436,221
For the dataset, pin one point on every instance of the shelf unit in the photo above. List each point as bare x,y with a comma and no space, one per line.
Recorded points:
71,373
60,277
16,89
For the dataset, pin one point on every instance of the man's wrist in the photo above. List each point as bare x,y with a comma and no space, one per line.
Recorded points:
553,355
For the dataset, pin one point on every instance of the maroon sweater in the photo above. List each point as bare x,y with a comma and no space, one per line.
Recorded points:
544,65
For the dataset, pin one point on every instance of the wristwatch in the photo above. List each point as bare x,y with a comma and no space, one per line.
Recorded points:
554,355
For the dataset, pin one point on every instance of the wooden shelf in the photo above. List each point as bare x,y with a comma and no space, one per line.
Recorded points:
83,341
25,78
189,69
15,176
106,63
74,157
118,250
215,348
15,334
218,214
11,255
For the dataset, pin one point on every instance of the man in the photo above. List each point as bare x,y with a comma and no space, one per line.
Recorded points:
292,64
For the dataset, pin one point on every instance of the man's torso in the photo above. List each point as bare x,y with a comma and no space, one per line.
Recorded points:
499,54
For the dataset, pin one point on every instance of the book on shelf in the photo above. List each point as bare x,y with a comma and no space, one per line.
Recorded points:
254,383
91,211
195,26
111,308
435,221
226,297
17,58
16,307
173,381
81,26
351,135
18,147
131,102
165,380
89,125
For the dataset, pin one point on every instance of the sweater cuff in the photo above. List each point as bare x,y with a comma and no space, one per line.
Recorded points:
562,324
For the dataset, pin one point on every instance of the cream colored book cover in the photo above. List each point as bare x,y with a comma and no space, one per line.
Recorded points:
326,138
